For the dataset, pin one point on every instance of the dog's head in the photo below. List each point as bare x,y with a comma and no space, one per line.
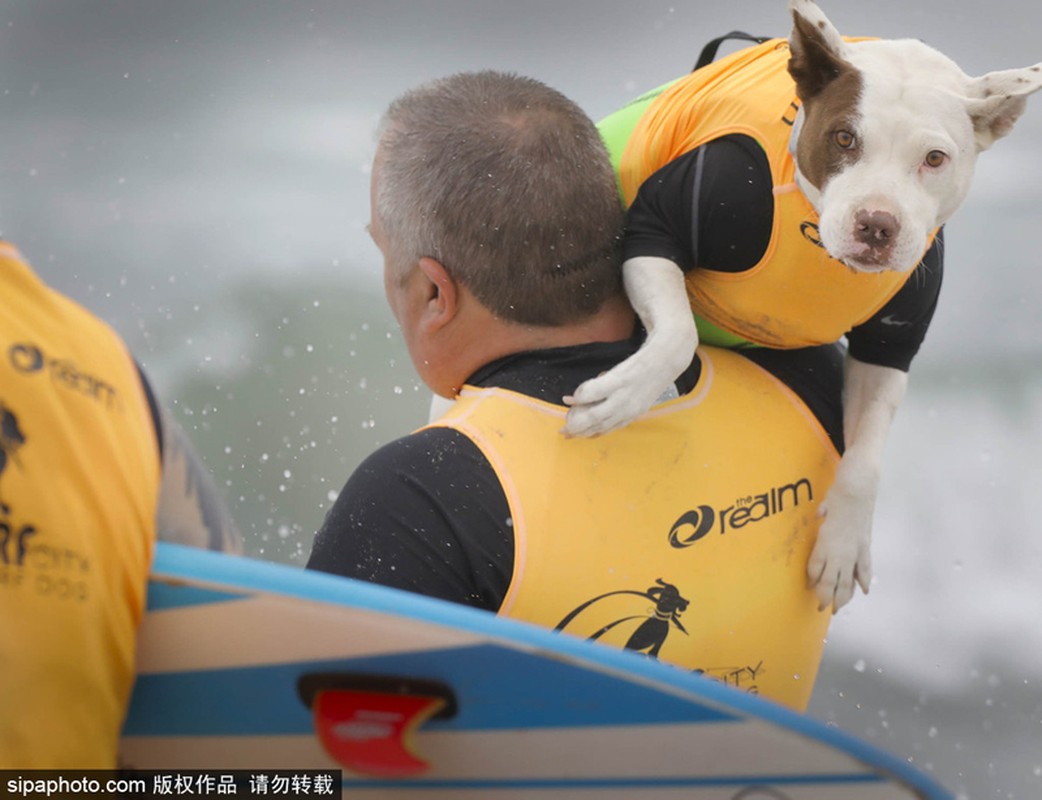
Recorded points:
888,136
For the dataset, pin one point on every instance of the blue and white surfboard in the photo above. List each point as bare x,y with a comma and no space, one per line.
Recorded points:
234,653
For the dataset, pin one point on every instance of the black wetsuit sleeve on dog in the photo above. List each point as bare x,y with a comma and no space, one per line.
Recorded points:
728,182
892,337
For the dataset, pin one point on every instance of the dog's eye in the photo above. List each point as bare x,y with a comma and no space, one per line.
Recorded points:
935,158
845,139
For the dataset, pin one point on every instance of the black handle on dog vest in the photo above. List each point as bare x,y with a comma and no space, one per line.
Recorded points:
708,54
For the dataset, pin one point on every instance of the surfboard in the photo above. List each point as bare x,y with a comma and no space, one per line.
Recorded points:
245,665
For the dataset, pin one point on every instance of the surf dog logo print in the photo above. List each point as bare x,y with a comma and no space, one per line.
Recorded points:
11,437
30,561
647,629
13,540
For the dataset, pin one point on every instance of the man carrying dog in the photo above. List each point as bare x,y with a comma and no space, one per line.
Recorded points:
683,536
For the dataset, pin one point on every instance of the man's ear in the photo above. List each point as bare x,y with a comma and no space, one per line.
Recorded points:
442,295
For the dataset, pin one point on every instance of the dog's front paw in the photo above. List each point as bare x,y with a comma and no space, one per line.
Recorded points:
605,403
842,555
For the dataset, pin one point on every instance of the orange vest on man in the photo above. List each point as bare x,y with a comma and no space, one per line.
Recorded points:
697,556
79,480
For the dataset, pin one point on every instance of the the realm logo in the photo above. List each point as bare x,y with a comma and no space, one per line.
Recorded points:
697,523
28,359
811,233
692,526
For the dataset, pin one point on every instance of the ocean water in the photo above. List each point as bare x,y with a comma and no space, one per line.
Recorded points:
197,173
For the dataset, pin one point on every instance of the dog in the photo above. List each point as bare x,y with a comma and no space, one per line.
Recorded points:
883,139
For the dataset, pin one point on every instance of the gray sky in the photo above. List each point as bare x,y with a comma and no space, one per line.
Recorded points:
152,148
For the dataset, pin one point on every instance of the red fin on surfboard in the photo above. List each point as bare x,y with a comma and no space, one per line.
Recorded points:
366,722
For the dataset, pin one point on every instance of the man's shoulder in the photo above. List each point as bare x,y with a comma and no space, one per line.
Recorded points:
431,459
424,513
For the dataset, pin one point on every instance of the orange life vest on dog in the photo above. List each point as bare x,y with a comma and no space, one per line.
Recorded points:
797,295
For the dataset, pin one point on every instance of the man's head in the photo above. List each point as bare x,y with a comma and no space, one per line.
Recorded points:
501,187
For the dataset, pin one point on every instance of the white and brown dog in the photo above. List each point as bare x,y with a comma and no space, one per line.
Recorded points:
884,148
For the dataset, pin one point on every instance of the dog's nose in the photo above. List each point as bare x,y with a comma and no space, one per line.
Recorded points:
875,228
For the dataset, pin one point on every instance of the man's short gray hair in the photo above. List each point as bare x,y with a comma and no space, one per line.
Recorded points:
507,183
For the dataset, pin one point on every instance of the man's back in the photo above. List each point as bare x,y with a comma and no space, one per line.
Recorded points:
615,537
713,498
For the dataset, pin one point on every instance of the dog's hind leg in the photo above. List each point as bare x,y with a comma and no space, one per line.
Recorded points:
842,554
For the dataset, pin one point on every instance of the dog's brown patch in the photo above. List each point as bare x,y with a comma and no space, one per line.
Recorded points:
818,154
830,89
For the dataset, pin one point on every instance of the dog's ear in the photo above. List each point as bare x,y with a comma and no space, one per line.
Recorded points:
996,101
817,50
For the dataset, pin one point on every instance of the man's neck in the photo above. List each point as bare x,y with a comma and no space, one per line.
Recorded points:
482,338
612,323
